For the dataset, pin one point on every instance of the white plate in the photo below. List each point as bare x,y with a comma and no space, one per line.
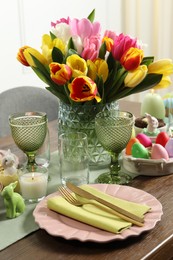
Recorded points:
58,225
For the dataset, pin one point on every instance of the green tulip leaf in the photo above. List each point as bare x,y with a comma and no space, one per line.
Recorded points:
147,60
61,96
150,81
71,52
91,16
41,75
57,55
52,36
102,51
40,66
71,44
100,86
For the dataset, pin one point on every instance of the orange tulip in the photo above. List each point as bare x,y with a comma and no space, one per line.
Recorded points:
132,58
109,43
60,73
21,57
83,89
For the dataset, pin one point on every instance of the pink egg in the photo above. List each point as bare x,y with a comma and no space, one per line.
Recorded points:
169,147
144,139
159,152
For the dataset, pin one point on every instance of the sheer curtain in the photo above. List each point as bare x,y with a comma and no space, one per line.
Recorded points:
151,22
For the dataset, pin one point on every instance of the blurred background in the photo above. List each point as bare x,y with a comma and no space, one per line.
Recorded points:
23,22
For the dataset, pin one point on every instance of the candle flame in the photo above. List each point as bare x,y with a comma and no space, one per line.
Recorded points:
152,91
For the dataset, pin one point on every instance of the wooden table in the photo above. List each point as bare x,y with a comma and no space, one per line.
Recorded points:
154,244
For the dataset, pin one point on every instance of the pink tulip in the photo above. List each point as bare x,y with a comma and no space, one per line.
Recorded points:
84,28
91,48
121,44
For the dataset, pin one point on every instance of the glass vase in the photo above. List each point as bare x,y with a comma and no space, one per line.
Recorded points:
81,118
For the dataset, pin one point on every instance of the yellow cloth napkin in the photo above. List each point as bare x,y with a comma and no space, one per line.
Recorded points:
97,215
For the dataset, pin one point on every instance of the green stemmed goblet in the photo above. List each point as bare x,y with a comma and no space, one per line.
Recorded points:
114,130
29,131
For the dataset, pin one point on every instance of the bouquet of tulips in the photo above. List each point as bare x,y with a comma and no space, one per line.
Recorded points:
80,65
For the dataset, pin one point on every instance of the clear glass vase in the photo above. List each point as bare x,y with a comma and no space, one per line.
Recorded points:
81,118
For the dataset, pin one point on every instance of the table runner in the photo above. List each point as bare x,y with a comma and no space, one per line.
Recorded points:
11,230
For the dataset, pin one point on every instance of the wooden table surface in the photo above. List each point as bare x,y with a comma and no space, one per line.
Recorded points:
154,244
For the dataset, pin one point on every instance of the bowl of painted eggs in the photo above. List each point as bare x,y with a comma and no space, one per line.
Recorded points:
144,157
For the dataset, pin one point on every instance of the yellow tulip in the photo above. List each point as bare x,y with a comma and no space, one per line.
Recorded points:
92,70
30,51
48,45
102,68
164,83
98,67
77,65
136,76
164,66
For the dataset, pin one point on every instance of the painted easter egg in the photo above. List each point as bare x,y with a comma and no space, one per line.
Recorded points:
169,147
139,151
162,138
130,144
144,139
159,152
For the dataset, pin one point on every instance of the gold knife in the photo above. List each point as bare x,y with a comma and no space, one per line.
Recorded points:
122,213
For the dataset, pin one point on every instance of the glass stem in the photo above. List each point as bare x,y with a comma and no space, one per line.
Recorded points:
114,166
31,159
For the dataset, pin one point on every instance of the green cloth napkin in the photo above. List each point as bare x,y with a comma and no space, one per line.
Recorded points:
97,215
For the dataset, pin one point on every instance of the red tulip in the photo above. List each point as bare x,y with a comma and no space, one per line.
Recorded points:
83,89
132,58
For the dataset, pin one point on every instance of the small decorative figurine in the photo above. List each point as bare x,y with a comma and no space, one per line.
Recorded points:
9,168
9,163
152,127
13,201
152,123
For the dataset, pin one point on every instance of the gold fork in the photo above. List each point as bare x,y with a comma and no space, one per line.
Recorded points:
72,200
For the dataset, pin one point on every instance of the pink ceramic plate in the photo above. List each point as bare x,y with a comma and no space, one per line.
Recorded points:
58,225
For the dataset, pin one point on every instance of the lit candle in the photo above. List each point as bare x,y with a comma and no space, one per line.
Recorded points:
153,104
33,185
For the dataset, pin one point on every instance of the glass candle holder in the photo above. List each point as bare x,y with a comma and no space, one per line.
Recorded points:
33,184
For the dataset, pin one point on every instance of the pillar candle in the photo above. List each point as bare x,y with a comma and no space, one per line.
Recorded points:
153,104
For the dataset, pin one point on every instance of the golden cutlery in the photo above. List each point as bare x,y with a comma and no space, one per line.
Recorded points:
72,200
